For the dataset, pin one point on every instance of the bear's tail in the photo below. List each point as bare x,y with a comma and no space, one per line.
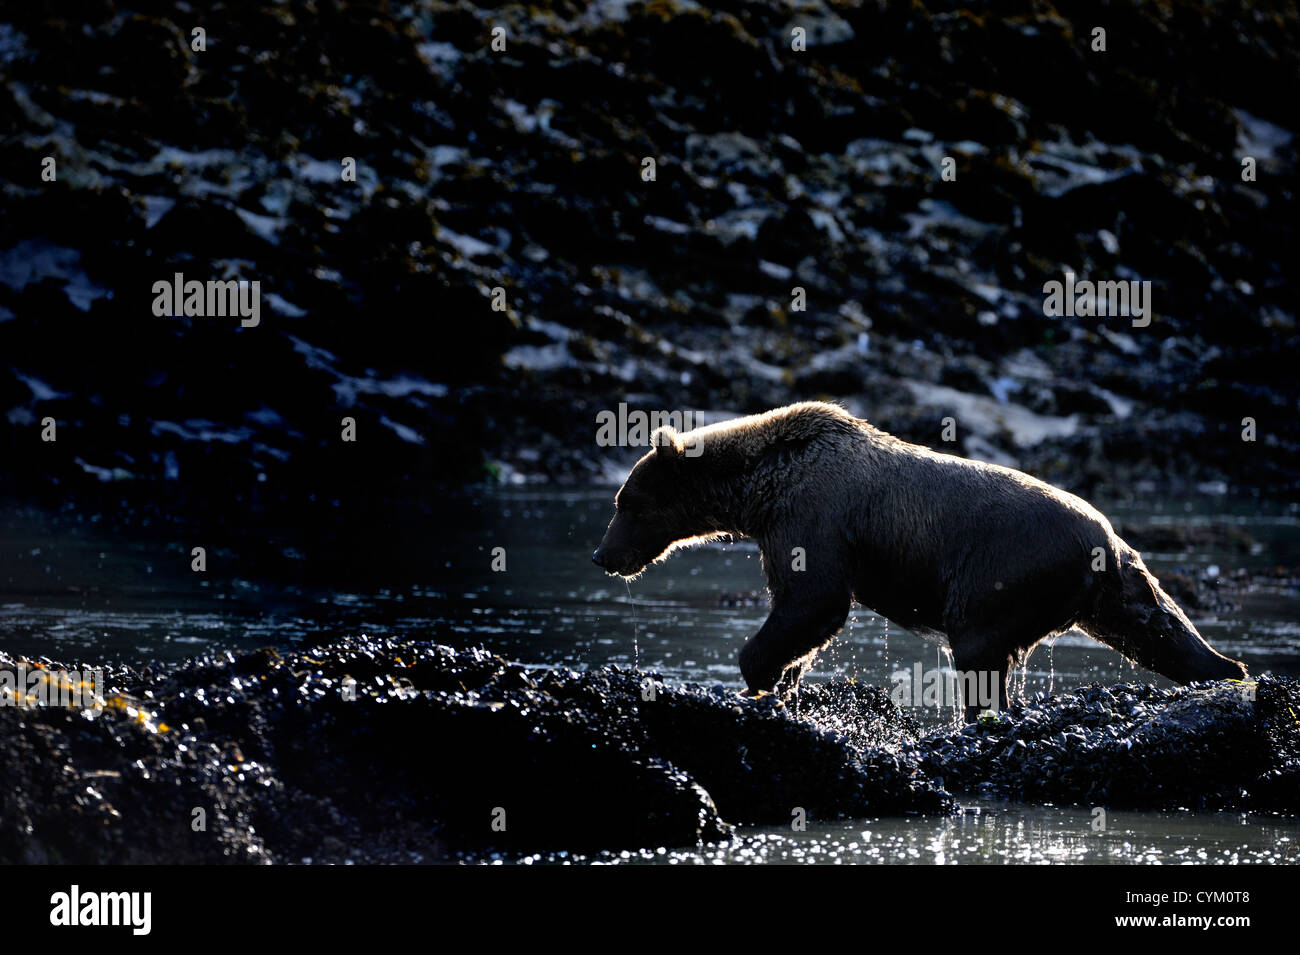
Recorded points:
1133,614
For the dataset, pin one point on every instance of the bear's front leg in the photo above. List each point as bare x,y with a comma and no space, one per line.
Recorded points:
799,625
789,682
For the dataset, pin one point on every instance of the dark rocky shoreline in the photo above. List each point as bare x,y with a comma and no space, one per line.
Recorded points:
521,170
290,761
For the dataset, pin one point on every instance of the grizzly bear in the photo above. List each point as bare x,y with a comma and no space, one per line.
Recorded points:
982,557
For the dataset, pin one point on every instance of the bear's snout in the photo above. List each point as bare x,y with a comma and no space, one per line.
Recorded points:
607,562
614,560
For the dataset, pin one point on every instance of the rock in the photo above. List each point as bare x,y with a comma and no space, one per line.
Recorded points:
407,751
1209,746
402,751
521,172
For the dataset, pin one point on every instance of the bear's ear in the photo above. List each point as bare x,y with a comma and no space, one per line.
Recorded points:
667,441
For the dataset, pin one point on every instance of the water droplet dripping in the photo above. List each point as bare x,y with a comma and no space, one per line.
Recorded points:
635,649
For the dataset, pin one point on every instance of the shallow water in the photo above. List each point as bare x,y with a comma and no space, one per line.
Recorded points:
75,588
985,833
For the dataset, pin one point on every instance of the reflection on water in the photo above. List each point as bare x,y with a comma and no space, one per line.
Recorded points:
988,833
71,589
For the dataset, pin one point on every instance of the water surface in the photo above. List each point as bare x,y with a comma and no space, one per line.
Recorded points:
116,587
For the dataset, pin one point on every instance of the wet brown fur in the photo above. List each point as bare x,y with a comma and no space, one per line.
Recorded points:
987,557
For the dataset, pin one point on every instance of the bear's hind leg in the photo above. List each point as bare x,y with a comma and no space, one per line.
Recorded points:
1135,616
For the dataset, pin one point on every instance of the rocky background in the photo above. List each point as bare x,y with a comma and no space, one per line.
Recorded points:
522,170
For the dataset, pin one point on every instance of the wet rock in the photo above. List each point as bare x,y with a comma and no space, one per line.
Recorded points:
1209,746
1216,590
406,751
1188,536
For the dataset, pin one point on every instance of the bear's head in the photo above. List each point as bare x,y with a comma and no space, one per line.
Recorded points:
652,509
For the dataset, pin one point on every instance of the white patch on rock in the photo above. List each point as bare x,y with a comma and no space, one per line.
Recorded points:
984,416
1258,137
